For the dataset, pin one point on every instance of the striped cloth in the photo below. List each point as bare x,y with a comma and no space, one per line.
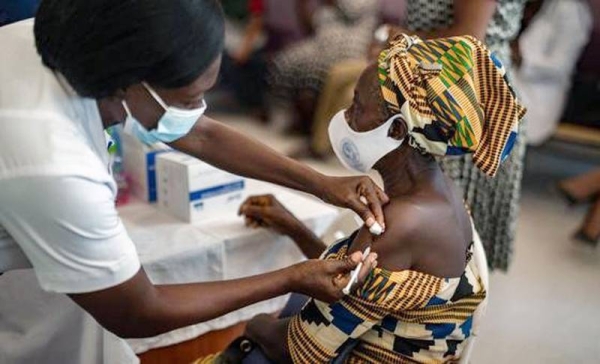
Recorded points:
395,317
454,96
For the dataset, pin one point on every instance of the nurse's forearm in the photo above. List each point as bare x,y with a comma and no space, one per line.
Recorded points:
183,305
228,149
138,309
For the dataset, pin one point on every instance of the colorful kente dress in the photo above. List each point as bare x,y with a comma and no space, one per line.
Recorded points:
396,317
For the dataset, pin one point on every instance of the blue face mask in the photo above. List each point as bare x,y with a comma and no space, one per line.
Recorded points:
174,124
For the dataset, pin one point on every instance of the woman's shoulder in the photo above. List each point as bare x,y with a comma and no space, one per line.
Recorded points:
427,235
406,221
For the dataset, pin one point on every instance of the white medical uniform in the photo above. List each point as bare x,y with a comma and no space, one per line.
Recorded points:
57,214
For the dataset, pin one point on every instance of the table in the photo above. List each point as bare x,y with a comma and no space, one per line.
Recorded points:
171,251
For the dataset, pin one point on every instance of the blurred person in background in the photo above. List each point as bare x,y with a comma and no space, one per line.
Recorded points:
243,68
341,29
547,51
583,110
338,88
255,31
583,106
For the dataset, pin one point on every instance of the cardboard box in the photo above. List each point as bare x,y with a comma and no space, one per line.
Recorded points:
193,190
139,163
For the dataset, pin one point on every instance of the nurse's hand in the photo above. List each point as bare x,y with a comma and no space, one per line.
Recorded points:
325,279
359,194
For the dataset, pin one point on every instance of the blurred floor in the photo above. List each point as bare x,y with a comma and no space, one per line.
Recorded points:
546,309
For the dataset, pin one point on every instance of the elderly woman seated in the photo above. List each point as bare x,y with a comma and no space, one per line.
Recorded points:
423,99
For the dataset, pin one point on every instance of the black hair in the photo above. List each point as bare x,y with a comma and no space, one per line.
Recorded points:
104,46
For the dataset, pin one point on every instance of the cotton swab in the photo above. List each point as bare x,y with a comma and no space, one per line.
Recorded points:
354,274
375,229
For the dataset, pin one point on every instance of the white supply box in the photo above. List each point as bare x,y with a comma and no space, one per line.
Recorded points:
139,163
193,190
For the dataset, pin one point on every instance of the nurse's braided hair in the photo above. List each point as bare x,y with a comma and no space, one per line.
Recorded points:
103,46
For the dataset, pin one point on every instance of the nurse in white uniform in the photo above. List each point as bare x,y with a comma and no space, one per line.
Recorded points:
82,66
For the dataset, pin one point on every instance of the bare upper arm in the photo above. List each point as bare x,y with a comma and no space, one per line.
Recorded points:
395,248
473,18
424,236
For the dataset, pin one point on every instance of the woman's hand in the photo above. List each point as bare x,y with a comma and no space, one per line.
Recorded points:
359,194
270,334
267,211
325,279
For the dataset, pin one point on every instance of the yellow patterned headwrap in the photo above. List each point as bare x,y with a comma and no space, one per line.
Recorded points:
457,98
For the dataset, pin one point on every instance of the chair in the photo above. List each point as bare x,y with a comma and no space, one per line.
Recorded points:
481,262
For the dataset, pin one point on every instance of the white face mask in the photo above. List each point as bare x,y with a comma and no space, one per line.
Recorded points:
360,151
174,124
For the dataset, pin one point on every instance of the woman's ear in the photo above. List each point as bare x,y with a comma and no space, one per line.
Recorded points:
398,130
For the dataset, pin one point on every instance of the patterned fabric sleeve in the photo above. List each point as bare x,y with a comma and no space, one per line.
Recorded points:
321,331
